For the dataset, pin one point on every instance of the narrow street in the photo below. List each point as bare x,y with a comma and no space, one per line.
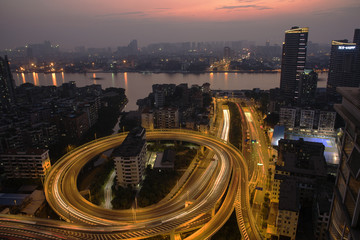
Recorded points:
108,190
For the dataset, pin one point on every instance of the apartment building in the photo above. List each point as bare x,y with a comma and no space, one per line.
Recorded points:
33,163
129,158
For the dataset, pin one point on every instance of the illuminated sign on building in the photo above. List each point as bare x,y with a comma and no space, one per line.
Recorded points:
346,47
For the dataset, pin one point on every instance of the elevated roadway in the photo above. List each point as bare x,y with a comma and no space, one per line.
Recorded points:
225,178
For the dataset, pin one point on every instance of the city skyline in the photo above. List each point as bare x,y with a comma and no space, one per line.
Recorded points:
113,24
236,121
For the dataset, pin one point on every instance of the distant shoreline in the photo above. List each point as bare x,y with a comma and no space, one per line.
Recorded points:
168,72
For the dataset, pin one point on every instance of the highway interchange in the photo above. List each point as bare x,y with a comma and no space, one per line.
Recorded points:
215,187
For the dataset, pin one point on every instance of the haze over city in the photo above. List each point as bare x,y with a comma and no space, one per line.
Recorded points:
113,23
171,120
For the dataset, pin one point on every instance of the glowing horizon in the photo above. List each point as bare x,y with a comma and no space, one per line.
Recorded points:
202,10
115,23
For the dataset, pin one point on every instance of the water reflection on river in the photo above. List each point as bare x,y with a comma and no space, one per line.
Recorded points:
138,85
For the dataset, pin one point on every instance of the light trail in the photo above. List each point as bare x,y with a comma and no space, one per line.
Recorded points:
102,220
226,125
108,190
159,218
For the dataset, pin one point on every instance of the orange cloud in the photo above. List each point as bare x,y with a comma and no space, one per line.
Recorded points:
204,10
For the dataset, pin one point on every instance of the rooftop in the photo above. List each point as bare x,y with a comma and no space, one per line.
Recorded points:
165,160
10,199
132,144
299,156
147,110
288,198
316,166
30,151
37,199
298,30
342,42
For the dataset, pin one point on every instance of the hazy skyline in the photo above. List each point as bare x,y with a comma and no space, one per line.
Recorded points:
113,23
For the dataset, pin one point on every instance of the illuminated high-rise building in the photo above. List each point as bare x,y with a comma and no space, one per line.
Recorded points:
345,210
293,62
307,87
343,69
7,85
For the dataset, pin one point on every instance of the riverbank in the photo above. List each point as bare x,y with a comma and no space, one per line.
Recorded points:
160,71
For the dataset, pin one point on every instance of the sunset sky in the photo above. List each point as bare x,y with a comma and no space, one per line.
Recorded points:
111,23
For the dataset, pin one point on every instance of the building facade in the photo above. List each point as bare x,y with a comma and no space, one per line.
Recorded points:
159,96
345,209
289,208
129,158
287,117
76,124
167,118
33,163
321,210
293,62
326,122
147,119
161,91
7,85
299,171
307,87
344,68
307,119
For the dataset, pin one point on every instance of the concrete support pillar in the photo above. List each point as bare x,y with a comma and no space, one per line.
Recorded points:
202,150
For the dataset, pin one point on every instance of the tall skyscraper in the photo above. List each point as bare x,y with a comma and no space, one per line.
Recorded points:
344,69
345,210
357,36
293,62
7,85
357,41
133,47
307,87
227,53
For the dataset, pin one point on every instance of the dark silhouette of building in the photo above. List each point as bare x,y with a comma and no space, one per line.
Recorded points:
299,174
293,62
7,85
345,209
227,53
42,50
133,47
130,50
268,52
307,87
357,36
344,69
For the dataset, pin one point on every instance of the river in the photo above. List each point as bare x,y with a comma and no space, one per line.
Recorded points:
138,85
